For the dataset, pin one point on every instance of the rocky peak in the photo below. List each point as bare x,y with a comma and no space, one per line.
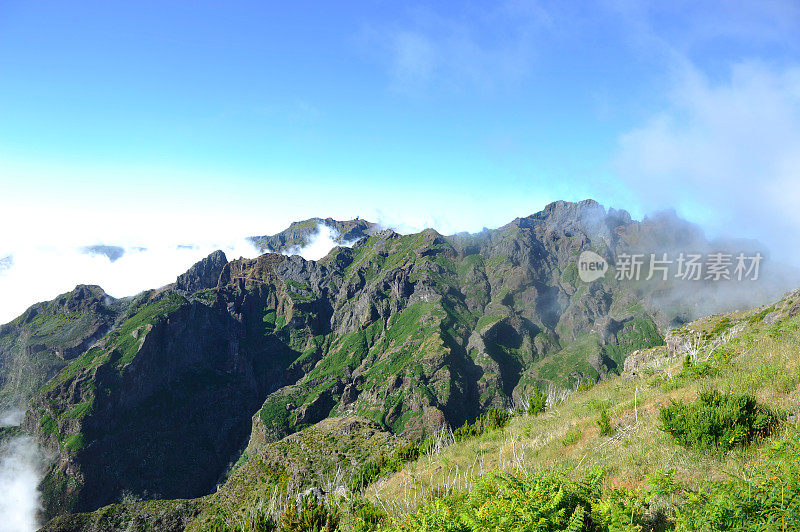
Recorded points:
83,297
299,234
203,274
561,211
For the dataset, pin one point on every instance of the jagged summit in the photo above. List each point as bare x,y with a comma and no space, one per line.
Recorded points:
299,234
203,274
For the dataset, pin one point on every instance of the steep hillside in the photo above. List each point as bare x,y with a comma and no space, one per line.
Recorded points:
664,479
637,470
39,343
324,456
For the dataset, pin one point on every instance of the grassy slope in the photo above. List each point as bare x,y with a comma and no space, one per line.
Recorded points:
761,358
323,455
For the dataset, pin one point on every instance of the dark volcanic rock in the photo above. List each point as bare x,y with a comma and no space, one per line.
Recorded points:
203,274
40,342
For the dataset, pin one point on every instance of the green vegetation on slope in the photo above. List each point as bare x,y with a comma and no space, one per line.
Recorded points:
718,421
653,463
647,478
414,332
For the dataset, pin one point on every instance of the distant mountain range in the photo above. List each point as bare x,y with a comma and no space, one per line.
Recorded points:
156,395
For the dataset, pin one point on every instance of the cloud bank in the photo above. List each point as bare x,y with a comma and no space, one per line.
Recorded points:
41,272
20,471
320,244
11,418
725,152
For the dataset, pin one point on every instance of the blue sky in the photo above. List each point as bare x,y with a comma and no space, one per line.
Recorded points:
129,123
385,99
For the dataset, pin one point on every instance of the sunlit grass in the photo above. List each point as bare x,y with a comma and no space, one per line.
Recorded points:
761,360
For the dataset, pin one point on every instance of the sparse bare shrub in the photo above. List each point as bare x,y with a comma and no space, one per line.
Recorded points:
128,497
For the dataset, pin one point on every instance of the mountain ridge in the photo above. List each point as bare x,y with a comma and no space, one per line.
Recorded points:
411,332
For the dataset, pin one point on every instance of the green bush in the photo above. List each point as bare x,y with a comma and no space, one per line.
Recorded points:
260,520
723,325
310,515
572,436
604,422
663,482
382,466
697,370
535,502
492,419
368,473
366,516
407,453
537,403
718,421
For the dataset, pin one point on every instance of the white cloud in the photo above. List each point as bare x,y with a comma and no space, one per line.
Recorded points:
319,245
20,463
39,273
11,418
726,153
477,47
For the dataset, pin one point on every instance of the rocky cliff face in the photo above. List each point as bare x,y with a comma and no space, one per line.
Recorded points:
202,275
409,331
38,344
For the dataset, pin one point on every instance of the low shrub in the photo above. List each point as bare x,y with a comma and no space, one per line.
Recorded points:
768,498
573,435
540,501
382,466
723,325
492,419
408,452
365,516
310,515
604,423
537,403
718,421
697,370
